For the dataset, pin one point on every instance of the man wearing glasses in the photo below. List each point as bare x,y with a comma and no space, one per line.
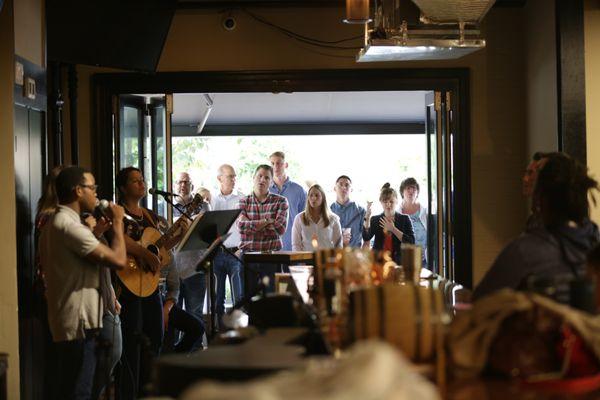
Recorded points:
183,187
225,262
71,257
193,284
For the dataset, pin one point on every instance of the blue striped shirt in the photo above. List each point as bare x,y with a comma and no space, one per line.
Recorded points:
351,216
296,197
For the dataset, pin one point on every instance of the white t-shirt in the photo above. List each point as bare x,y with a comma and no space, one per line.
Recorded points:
228,202
327,237
73,282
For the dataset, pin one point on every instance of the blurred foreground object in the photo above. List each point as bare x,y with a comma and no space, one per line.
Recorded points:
370,370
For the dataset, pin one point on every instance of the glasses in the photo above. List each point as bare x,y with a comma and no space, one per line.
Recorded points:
229,176
183,182
91,187
137,181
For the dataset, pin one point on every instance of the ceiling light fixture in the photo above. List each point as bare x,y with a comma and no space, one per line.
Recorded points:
446,29
357,12
209,105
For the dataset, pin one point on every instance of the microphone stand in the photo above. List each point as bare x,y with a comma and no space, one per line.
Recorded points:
178,207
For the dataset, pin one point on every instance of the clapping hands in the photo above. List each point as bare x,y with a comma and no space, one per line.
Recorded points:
387,223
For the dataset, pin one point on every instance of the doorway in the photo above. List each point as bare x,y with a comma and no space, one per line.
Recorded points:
444,131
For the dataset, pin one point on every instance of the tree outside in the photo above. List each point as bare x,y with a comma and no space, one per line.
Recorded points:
369,160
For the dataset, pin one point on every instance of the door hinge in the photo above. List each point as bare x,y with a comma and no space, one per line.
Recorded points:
169,103
115,105
438,101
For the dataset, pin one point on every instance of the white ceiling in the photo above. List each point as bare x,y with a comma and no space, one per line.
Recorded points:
301,107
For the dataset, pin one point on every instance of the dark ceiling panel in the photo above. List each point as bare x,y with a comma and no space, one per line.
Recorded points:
183,4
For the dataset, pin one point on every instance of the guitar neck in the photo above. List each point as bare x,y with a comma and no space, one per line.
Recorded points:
169,234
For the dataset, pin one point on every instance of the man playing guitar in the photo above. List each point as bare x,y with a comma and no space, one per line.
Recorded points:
142,317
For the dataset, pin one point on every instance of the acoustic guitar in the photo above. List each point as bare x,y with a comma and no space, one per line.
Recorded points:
136,276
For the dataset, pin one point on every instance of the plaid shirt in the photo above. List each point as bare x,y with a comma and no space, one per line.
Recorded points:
274,207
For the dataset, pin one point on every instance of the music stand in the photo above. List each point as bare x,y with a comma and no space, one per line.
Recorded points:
208,231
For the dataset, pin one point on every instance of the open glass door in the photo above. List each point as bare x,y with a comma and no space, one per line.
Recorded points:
142,132
440,235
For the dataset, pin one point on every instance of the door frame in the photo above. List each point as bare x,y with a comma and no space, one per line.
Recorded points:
456,80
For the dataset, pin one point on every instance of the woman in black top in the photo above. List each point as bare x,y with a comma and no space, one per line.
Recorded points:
390,228
141,317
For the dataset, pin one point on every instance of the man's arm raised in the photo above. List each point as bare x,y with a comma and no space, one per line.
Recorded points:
115,256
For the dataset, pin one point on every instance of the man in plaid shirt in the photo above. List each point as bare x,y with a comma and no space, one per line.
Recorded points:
263,220
262,223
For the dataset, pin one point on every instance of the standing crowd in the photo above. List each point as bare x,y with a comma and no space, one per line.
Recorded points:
98,315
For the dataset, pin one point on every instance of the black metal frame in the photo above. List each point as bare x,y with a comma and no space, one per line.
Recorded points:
570,68
454,80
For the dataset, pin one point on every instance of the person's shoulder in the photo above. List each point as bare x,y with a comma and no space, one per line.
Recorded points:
245,198
277,198
376,217
402,217
62,217
528,244
334,218
295,185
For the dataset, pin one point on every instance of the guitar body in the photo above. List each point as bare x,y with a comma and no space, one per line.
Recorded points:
137,279
140,280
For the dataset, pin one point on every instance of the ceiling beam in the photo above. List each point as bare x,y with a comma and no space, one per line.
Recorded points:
193,4
287,129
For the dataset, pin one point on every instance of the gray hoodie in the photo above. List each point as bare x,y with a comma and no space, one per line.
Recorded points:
540,252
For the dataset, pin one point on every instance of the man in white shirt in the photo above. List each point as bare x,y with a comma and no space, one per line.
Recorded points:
70,255
225,264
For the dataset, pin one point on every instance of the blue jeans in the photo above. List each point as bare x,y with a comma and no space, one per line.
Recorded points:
110,346
193,291
224,264
76,363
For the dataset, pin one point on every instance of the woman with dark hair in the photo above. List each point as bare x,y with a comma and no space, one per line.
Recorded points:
316,223
560,245
409,191
142,317
145,318
390,228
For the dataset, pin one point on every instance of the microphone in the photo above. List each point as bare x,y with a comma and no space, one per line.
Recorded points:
100,211
162,193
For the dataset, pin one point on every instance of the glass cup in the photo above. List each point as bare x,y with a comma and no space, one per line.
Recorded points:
346,233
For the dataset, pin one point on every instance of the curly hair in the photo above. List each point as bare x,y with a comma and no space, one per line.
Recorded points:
408,182
562,189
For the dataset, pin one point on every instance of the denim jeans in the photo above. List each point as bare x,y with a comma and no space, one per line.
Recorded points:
193,291
110,346
76,363
224,264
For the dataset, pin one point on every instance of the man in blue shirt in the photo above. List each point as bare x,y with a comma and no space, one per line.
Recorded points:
293,192
351,214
